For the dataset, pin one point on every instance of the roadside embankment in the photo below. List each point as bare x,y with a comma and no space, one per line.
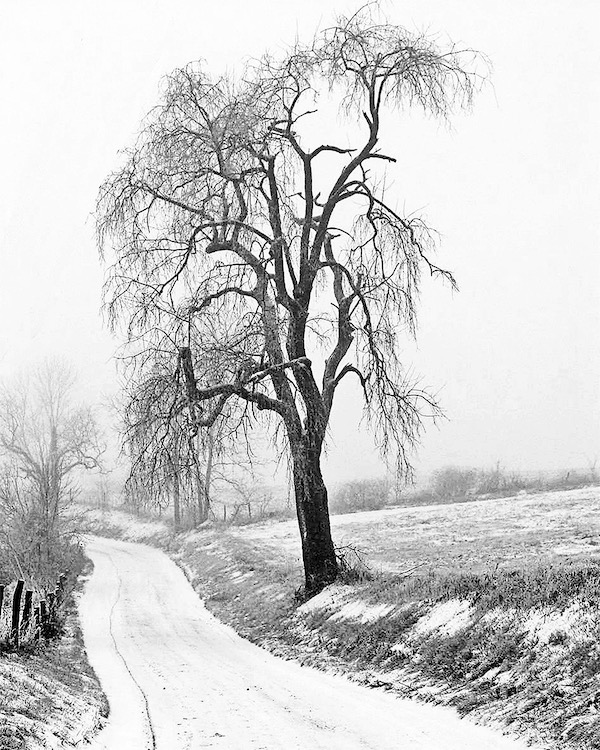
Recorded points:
49,696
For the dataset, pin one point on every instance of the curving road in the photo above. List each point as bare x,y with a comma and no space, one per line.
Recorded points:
177,679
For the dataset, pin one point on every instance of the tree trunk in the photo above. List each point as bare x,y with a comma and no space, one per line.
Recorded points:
175,468
318,553
176,502
202,479
201,508
208,473
176,494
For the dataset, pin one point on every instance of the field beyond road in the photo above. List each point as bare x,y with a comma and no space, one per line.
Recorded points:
512,532
490,606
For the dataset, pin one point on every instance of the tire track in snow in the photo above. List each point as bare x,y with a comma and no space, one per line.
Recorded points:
120,655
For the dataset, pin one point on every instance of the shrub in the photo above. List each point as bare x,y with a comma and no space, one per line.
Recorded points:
360,494
352,565
453,483
498,480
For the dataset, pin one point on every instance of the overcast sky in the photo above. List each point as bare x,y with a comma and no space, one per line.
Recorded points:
513,188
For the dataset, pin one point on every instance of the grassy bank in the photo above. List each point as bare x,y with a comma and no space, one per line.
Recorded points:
50,698
491,608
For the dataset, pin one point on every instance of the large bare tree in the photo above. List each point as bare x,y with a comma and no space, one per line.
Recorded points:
267,259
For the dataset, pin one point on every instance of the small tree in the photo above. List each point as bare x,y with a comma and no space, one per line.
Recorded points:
44,441
272,265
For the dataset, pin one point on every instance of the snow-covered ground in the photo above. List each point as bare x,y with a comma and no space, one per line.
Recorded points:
513,531
176,678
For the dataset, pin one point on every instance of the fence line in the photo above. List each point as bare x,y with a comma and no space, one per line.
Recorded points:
29,621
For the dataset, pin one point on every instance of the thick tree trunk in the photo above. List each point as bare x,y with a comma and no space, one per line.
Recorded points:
318,553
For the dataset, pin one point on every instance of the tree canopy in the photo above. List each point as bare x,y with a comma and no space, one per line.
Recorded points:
267,265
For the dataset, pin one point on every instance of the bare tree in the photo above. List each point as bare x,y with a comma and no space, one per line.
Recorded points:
270,264
172,461
44,441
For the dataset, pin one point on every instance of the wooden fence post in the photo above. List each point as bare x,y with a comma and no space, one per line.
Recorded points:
26,619
16,612
43,619
60,588
38,625
51,599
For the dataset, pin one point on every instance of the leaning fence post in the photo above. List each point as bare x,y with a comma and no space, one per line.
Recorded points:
38,625
60,588
16,612
43,619
51,599
25,620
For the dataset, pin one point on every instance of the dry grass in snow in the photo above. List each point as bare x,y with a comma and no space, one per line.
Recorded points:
49,697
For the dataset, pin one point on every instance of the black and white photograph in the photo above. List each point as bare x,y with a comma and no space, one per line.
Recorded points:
299,375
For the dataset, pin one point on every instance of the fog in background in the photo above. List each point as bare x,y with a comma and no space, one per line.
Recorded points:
513,188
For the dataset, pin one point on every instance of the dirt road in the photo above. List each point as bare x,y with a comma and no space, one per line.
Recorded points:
178,679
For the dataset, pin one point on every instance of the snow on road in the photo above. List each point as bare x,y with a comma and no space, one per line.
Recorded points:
178,679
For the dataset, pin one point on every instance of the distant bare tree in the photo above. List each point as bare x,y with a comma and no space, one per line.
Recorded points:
171,461
44,441
269,264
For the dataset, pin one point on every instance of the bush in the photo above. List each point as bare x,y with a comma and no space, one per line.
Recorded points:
32,551
352,567
453,483
360,494
497,480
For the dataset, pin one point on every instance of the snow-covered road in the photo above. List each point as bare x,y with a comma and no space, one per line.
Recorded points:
176,678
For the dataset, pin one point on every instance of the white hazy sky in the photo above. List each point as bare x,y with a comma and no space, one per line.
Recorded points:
513,188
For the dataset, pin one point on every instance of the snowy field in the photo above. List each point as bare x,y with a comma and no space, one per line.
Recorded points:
509,532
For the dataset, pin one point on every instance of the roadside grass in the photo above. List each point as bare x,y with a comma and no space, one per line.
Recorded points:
549,585
50,697
493,608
